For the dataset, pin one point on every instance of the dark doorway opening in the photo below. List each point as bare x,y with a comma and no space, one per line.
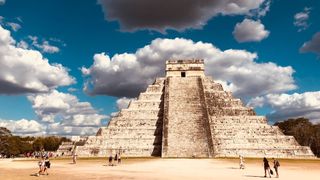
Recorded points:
183,74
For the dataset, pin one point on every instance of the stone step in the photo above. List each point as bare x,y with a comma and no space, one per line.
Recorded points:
269,153
154,88
140,113
144,104
150,96
257,140
247,126
135,122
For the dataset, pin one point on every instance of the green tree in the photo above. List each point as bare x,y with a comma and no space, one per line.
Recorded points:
306,133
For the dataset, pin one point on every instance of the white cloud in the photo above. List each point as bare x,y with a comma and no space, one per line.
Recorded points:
27,71
2,2
72,89
14,26
123,102
262,10
125,75
313,45
295,105
23,44
45,46
66,109
64,130
178,15
24,127
58,114
250,30
301,19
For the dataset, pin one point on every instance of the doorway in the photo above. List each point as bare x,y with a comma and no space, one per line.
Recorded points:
183,74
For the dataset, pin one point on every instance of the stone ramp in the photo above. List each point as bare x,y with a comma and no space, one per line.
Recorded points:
184,131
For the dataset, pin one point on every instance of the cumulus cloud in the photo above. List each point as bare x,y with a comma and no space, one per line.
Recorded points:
27,71
58,114
24,127
127,74
23,44
64,130
166,14
250,30
262,10
123,102
66,109
72,89
295,105
44,46
301,19
313,45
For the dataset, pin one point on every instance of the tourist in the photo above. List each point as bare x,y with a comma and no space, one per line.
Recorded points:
115,158
119,159
47,165
276,165
110,160
241,162
41,166
74,158
266,167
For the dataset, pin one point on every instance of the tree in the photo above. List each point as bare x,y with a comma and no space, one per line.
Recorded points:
306,133
5,132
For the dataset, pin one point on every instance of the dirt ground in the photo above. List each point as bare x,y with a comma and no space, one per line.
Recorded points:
63,169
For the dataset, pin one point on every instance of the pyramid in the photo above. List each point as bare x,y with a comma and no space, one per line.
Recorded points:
187,114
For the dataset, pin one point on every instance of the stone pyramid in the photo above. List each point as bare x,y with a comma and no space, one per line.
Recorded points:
187,114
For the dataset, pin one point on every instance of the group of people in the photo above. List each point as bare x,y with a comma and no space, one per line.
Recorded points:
44,164
117,159
267,170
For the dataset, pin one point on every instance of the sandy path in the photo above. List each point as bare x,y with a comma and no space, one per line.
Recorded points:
157,169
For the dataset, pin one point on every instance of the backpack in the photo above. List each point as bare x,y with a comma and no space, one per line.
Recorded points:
48,164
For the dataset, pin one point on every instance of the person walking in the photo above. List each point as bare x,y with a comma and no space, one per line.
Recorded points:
119,159
41,166
74,158
266,167
241,163
110,160
276,165
115,158
47,165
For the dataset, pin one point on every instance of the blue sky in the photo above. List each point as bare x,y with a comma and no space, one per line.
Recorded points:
71,33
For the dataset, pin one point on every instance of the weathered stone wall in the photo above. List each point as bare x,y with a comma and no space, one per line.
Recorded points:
236,130
135,131
194,67
66,148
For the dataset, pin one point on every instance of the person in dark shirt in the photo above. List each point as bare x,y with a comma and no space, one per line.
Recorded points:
110,160
266,167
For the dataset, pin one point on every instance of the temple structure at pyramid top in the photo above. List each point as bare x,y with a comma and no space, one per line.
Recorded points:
185,68
187,114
